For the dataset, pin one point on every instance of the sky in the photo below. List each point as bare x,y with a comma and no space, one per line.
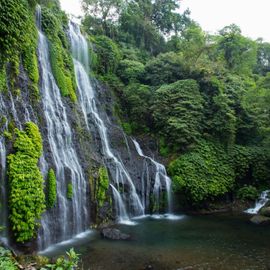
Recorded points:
251,15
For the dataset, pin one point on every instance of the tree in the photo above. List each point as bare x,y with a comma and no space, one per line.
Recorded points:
130,70
108,54
137,101
239,52
263,58
178,113
165,68
104,11
165,17
136,22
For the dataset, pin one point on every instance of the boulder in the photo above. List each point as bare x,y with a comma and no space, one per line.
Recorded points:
114,234
260,220
267,204
265,211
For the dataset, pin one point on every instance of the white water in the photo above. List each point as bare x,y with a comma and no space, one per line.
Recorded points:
3,194
161,178
75,239
69,217
88,103
260,203
120,207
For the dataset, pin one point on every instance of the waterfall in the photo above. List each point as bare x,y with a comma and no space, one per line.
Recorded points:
8,112
260,203
88,101
3,194
161,178
68,217
120,207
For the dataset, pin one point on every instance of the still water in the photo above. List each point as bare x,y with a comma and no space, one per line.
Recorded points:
188,242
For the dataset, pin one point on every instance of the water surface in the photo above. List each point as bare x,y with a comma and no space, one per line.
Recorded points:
200,242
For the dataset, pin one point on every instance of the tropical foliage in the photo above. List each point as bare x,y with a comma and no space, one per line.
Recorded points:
26,195
205,98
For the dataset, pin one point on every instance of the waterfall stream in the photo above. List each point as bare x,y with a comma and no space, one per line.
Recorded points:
88,102
70,217
3,194
130,187
161,178
260,203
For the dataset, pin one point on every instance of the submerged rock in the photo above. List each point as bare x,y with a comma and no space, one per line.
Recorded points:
114,234
260,220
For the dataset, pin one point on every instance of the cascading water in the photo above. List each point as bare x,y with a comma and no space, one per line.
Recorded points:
15,111
88,102
69,217
161,179
3,194
260,203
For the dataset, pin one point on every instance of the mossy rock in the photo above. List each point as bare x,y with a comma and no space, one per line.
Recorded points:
265,211
260,220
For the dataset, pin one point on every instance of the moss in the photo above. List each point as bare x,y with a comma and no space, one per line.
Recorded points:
17,92
8,135
127,127
3,121
14,70
69,191
103,184
61,62
14,25
26,195
52,189
18,41
3,79
30,63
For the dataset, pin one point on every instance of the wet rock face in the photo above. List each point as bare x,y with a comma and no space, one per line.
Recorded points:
114,234
19,108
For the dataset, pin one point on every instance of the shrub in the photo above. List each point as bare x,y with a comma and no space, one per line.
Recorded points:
103,185
166,68
202,174
137,98
70,262
69,191
26,196
7,262
178,113
108,55
251,165
130,70
247,193
52,189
